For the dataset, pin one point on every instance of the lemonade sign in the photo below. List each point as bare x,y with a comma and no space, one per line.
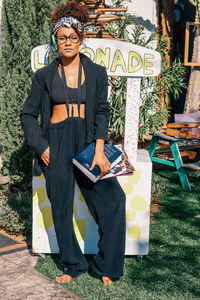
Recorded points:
119,58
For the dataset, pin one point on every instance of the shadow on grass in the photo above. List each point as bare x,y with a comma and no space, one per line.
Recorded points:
173,260
56,260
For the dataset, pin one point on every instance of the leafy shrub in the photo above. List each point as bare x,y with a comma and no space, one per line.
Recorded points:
154,91
16,212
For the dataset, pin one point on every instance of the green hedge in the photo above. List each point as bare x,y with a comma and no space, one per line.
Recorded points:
25,25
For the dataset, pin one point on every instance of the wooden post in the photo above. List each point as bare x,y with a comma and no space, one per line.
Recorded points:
132,117
166,13
166,27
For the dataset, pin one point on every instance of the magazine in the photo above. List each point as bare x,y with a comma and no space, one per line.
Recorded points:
124,167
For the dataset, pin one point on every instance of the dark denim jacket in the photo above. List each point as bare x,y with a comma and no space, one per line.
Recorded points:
38,102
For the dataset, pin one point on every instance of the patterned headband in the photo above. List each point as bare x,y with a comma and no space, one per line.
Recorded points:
67,22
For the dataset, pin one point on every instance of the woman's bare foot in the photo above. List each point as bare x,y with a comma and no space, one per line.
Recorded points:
106,280
63,278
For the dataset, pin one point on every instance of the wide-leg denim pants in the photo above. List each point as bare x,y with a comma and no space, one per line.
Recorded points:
105,200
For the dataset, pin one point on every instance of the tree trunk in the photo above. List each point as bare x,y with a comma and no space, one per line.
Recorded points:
192,103
166,21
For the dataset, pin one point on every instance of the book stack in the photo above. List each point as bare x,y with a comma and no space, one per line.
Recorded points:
117,157
186,130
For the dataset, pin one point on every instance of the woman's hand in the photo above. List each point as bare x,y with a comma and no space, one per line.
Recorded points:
100,159
45,156
102,162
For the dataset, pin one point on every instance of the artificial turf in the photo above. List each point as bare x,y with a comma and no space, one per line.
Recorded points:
172,268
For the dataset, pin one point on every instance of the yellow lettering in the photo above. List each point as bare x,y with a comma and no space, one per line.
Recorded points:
102,57
52,55
88,51
37,65
136,67
118,60
148,64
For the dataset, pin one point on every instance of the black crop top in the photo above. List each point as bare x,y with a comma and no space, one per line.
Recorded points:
58,95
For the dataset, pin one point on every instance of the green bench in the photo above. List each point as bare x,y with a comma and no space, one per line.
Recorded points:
175,146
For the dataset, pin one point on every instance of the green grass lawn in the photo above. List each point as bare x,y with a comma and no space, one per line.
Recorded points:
172,268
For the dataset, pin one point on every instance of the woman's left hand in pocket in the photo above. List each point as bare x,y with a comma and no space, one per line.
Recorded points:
45,156
102,162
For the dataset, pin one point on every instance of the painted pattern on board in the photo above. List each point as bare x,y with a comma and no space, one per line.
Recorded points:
136,205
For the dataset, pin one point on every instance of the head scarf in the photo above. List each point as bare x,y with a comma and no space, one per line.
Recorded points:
67,22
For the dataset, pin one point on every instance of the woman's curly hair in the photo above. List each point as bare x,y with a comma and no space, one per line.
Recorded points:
70,9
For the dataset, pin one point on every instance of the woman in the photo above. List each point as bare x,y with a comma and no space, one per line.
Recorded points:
71,94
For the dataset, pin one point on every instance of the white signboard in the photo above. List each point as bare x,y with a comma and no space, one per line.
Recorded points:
119,58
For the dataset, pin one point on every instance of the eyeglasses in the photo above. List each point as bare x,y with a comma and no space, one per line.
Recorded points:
61,39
